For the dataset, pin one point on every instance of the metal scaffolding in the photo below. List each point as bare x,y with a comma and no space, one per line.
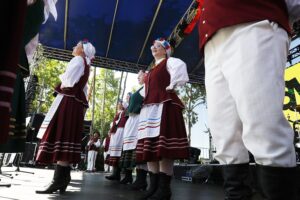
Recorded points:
108,63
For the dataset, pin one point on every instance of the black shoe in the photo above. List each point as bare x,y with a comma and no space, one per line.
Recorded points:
235,182
277,183
164,188
140,182
127,178
115,176
153,186
60,181
67,179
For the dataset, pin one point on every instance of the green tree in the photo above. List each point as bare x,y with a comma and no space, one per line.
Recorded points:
106,94
47,71
192,96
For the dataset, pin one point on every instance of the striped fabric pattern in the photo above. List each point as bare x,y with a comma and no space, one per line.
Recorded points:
116,143
130,132
153,149
11,41
7,80
114,149
17,130
129,140
163,142
59,146
113,161
150,121
127,159
17,123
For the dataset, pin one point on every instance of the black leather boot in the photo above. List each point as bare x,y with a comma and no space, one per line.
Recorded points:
277,183
235,177
128,177
67,179
164,188
115,176
59,181
153,186
140,182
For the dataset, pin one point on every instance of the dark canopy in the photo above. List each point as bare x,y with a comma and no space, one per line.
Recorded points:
122,32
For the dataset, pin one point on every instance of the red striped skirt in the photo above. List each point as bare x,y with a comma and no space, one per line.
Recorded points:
172,141
113,161
62,139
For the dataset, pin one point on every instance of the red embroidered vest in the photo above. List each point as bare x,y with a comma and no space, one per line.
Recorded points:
217,14
107,141
121,123
155,86
77,90
92,146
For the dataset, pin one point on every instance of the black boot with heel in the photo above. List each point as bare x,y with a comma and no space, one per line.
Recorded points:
163,191
60,181
140,182
67,179
128,177
153,186
115,176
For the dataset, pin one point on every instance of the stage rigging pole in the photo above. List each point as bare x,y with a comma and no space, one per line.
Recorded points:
93,101
124,85
103,104
119,92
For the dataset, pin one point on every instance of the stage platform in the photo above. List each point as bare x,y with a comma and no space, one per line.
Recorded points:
95,186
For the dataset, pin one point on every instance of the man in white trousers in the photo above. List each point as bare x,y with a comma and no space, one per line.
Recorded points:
93,148
246,46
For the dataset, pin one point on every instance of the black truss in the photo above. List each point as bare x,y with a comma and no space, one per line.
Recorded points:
293,54
108,63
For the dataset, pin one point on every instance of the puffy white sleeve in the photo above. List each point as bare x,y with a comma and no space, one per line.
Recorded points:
90,141
98,143
103,143
50,8
178,72
142,91
74,71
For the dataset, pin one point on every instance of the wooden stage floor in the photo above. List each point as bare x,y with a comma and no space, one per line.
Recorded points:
94,186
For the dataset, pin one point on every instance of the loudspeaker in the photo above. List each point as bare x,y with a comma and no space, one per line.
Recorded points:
194,154
37,120
29,154
85,134
86,127
34,126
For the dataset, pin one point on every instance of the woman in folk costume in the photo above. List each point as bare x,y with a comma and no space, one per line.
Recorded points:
62,127
116,141
161,133
105,146
130,140
93,148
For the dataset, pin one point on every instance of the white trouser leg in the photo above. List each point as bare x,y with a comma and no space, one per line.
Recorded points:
245,90
223,119
94,159
90,161
106,167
